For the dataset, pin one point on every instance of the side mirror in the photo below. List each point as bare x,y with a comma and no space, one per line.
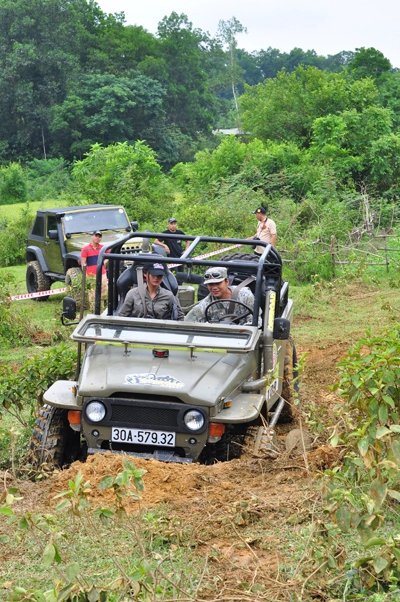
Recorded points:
69,309
135,226
281,329
53,234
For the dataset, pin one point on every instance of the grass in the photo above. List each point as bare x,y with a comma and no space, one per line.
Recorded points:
10,212
344,309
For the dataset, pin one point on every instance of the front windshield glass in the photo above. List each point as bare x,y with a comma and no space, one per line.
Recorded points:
165,337
88,221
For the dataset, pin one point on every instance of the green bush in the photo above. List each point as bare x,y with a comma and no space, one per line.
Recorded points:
123,174
47,179
13,188
12,239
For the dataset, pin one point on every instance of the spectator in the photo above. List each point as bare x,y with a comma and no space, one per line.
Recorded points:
217,282
173,247
266,230
151,300
89,257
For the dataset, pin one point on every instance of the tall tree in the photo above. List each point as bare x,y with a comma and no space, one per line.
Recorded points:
42,43
227,32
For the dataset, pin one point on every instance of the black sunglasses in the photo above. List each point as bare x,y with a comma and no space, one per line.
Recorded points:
210,275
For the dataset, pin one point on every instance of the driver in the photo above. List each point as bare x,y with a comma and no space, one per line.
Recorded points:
217,282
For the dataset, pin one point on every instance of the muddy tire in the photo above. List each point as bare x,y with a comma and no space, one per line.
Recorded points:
73,279
289,388
53,442
36,280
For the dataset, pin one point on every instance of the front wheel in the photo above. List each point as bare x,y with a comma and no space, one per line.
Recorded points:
36,280
290,385
53,442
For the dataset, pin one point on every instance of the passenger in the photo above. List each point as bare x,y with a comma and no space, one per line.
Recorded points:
217,282
152,301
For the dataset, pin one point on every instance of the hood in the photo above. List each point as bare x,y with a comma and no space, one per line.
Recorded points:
202,380
77,241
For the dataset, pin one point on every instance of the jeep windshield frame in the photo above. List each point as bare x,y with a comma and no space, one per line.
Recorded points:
86,221
165,334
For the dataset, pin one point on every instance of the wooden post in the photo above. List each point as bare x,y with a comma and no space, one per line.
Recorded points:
386,255
333,255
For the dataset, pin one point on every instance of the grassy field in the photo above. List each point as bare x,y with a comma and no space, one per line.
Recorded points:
13,211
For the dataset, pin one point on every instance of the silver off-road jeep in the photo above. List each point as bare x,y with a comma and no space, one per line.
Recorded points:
175,391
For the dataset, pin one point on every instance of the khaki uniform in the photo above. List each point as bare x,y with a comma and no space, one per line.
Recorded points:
219,310
265,230
155,308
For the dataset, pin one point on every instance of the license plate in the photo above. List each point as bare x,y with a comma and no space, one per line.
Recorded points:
143,437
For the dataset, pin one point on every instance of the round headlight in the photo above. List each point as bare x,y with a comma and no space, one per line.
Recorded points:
95,411
194,420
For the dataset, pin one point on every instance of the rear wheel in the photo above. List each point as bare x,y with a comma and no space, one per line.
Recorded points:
53,442
289,387
36,280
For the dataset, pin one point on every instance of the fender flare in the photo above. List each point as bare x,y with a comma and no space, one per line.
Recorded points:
72,260
33,253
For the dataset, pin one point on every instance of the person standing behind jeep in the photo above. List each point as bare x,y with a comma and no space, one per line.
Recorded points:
89,256
266,230
173,247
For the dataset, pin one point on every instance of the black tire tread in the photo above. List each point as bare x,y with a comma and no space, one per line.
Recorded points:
49,437
289,388
43,282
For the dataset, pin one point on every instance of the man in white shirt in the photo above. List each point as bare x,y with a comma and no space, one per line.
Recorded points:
266,230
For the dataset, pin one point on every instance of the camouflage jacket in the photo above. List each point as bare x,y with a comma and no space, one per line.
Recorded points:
219,310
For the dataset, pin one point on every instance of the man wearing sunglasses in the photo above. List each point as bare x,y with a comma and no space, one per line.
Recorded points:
217,281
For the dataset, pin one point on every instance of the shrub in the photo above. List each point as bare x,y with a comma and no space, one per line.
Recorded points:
12,239
13,188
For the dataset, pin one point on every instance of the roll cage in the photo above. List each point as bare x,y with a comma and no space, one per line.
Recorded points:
267,271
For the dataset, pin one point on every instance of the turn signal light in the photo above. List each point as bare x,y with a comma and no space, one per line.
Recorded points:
74,417
217,429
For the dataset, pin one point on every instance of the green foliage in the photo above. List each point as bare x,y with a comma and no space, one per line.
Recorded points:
24,387
284,108
121,173
359,496
47,179
13,188
13,234
15,322
369,62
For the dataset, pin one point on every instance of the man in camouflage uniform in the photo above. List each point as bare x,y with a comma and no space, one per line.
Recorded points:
217,282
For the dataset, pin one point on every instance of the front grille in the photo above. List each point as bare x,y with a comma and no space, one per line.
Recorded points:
163,417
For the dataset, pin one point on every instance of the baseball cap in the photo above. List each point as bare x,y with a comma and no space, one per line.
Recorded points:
260,210
213,275
99,232
172,220
156,269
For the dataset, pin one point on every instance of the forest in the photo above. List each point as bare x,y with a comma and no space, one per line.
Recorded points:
95,110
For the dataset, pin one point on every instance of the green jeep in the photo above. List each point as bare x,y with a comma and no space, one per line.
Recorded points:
176,391
54,245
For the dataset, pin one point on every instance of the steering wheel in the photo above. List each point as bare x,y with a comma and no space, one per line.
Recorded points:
234,318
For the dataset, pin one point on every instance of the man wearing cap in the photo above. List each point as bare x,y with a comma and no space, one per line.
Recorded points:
173,247
266,230
89,257
152,301
217,282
